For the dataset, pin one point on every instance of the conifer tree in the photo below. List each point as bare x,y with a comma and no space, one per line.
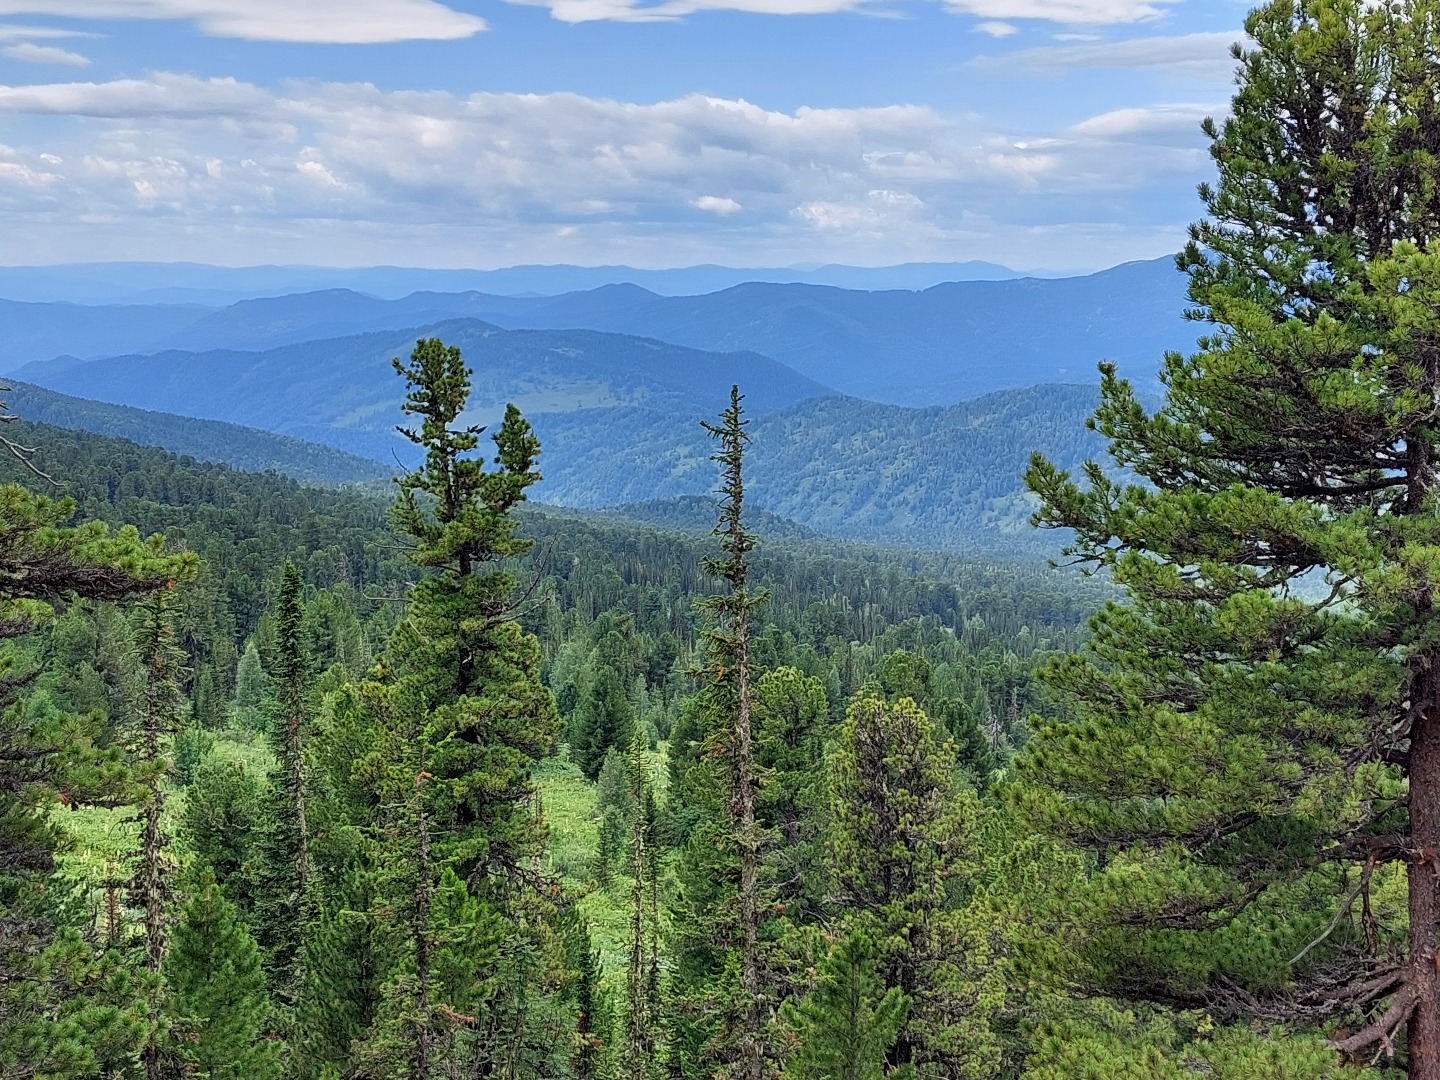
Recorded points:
733,612
604,721
284,905
51,563
1254,737
901,847
152,886
463,717
638,1049
220,1013
844,1028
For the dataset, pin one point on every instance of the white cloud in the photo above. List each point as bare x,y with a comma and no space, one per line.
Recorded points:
1151,120
997,29
1205,55
1098,12
364,174
1065,11
314,21
716,204
29,52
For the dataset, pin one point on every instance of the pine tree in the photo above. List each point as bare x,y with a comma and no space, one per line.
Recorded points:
845,1027
901,848
1254,736
152,886
50,563
219,1009
464,717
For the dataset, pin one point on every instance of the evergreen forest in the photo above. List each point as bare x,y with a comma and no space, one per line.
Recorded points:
312,780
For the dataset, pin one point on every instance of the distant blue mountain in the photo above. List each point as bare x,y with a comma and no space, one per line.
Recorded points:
938,346
244,448
343,392
96,283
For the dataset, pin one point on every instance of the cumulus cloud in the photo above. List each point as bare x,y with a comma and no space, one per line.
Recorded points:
31,53
1204,55
997,29
716,204
348,167
314,21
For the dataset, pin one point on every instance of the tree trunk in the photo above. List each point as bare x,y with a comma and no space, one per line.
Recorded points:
1424,878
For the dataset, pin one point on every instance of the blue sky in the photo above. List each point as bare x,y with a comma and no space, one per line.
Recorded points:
1037,133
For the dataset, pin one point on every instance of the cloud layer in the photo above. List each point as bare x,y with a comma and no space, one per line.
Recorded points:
317,21
573,176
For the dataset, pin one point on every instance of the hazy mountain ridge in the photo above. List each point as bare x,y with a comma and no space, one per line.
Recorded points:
245,448
343,392
150,282
934,347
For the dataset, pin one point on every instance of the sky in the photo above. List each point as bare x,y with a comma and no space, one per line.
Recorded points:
1054,134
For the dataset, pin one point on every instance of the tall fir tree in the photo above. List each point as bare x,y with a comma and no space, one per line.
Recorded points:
733,612
219,1010
1254,736
158,717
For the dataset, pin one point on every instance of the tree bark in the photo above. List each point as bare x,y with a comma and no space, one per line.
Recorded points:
1424,875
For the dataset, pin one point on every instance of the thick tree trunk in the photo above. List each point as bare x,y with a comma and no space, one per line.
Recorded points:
1424,875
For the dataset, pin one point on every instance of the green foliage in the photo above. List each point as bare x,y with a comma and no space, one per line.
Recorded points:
219,1010
845,1027
1244,732
903,848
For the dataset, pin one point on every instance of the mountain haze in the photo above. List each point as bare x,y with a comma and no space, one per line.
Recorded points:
343,392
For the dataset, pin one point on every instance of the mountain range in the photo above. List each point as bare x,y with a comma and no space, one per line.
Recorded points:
149,283
938,346
899,416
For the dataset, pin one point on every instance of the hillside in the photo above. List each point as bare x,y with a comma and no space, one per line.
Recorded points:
941,478
239,447
342,392
933,347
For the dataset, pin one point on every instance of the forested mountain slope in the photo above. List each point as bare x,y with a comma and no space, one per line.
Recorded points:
206,440
44,331
945,478
343,392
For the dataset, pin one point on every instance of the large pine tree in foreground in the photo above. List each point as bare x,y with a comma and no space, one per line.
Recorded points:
1254,745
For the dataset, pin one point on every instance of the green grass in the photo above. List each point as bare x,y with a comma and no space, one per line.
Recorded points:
568,803
98,840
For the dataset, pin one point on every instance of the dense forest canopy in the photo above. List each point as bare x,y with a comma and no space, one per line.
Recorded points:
323,783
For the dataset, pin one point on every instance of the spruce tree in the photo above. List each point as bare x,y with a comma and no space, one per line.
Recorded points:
638,1048
219,1010
152,886
845,1027
733,612
1253,744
